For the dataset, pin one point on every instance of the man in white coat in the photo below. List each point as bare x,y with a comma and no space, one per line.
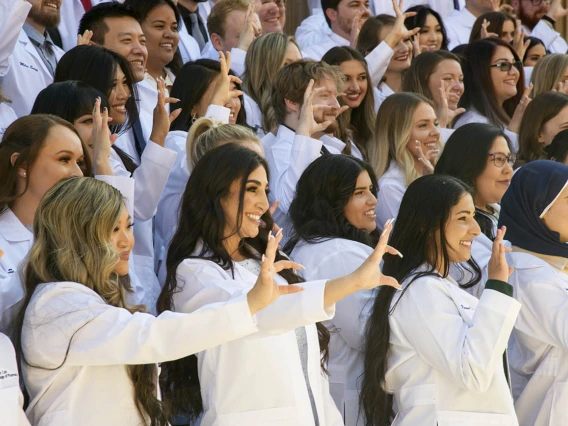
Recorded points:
538,18
193,34
459,25
30,66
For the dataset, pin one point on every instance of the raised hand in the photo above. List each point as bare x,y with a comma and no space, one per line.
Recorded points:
85,38
484,30
223,93
556,10
515,122
445,114
101,140
426,161
416,48
498,268
358,22
519,44
399,32
265,290
308,125
251,29
161,119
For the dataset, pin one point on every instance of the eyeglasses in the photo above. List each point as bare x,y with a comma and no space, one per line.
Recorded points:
499,159
538,2
506,66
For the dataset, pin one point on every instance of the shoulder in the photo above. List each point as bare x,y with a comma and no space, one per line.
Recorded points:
193,268
530,270
471,116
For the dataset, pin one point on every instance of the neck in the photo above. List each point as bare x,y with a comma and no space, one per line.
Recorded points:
231,245
482,205
39,27
292,122
394,80
155,70
337,30
24,208
189,5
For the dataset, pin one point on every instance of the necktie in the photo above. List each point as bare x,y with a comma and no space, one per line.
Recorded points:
86,5
49,56
324,150
456,4
196,31
139,141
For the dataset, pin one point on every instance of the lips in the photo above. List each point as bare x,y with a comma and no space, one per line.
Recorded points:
511,82
353,96
430,145
51,5
125,255
168,45
120,108
370,213
466,244
402,58
254,217
506,182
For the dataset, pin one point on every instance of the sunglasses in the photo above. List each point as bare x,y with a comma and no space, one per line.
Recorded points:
506,66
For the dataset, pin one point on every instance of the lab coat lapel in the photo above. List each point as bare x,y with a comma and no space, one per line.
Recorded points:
28,45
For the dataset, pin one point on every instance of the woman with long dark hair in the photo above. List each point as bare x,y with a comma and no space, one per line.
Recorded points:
334,231
534,210
434,353
87,356
432,35
355,124
274,377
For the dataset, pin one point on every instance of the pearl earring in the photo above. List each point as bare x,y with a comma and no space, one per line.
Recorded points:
24,174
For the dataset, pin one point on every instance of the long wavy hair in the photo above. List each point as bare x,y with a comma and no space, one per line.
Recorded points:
200,235
265,56
541,110
548,72
479,92
424,213
72,229
359,125
465,157
26,136
317,212
393,128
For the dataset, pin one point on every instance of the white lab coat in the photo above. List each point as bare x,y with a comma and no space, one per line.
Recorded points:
205,9
391,186
258,380
445,362
538,350
237,57
332,259
148,93
474,116
90,384
458,27
7,117
552,39
312,30
188,47
254,116
23,72
11,398
17,240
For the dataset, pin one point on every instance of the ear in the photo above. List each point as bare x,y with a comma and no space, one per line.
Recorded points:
540,140
216,41
331,14
13,159
292,106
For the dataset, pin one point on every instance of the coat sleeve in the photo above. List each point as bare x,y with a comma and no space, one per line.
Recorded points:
68,317
13,14
378,61
202,283
551,38
468,355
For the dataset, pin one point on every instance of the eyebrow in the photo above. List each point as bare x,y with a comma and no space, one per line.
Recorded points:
504,59
64,151
124,34
361,187
463,211
254,181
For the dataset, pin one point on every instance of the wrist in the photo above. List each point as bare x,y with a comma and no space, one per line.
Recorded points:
158,138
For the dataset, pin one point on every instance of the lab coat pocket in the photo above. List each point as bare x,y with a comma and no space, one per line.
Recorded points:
467,418
559,413
9,406
281,416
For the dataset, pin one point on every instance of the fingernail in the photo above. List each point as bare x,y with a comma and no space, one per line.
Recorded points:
270,236
399,254
263,258
279,232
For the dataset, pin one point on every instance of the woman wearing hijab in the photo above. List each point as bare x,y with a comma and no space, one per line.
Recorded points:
534,210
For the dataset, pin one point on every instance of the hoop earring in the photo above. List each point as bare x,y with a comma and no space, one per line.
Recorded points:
193,117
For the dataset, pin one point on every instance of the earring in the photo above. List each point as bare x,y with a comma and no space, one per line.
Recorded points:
193,117
24,174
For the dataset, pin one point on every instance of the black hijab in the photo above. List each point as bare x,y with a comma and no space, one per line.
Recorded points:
533,188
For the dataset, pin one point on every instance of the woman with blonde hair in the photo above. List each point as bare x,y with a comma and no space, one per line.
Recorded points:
204,135
550,74
87,356
405,147
265,56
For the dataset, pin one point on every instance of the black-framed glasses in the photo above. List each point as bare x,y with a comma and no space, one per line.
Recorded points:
506,66
538,2
500,158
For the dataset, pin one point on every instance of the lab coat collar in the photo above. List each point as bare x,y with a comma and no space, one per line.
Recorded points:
284,132
30,48
560,263
338,40
12,229
334,143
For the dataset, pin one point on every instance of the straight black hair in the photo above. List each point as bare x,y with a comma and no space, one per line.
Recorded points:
96,67
533,41
324,189
189,87
419,20
465,157
200,235
79,100
94,18
424,212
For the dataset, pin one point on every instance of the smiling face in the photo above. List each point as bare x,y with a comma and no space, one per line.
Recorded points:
491,185
425,131
553,126
117,98
402,56
528,14
272,15
555,217
534,54
356,82
449,73
360,209
504,82
61,156
431,34
125,37
84,126
328,96
508,31
342,17
461,229
45,12
122,241
162,38
254,205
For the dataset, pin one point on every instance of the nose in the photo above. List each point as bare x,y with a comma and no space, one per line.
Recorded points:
334,102
232,103
402,47
353,85
431,36
507,168
508,38
514,70
122,92
76,171
372,200
459,87
140,49
474,228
